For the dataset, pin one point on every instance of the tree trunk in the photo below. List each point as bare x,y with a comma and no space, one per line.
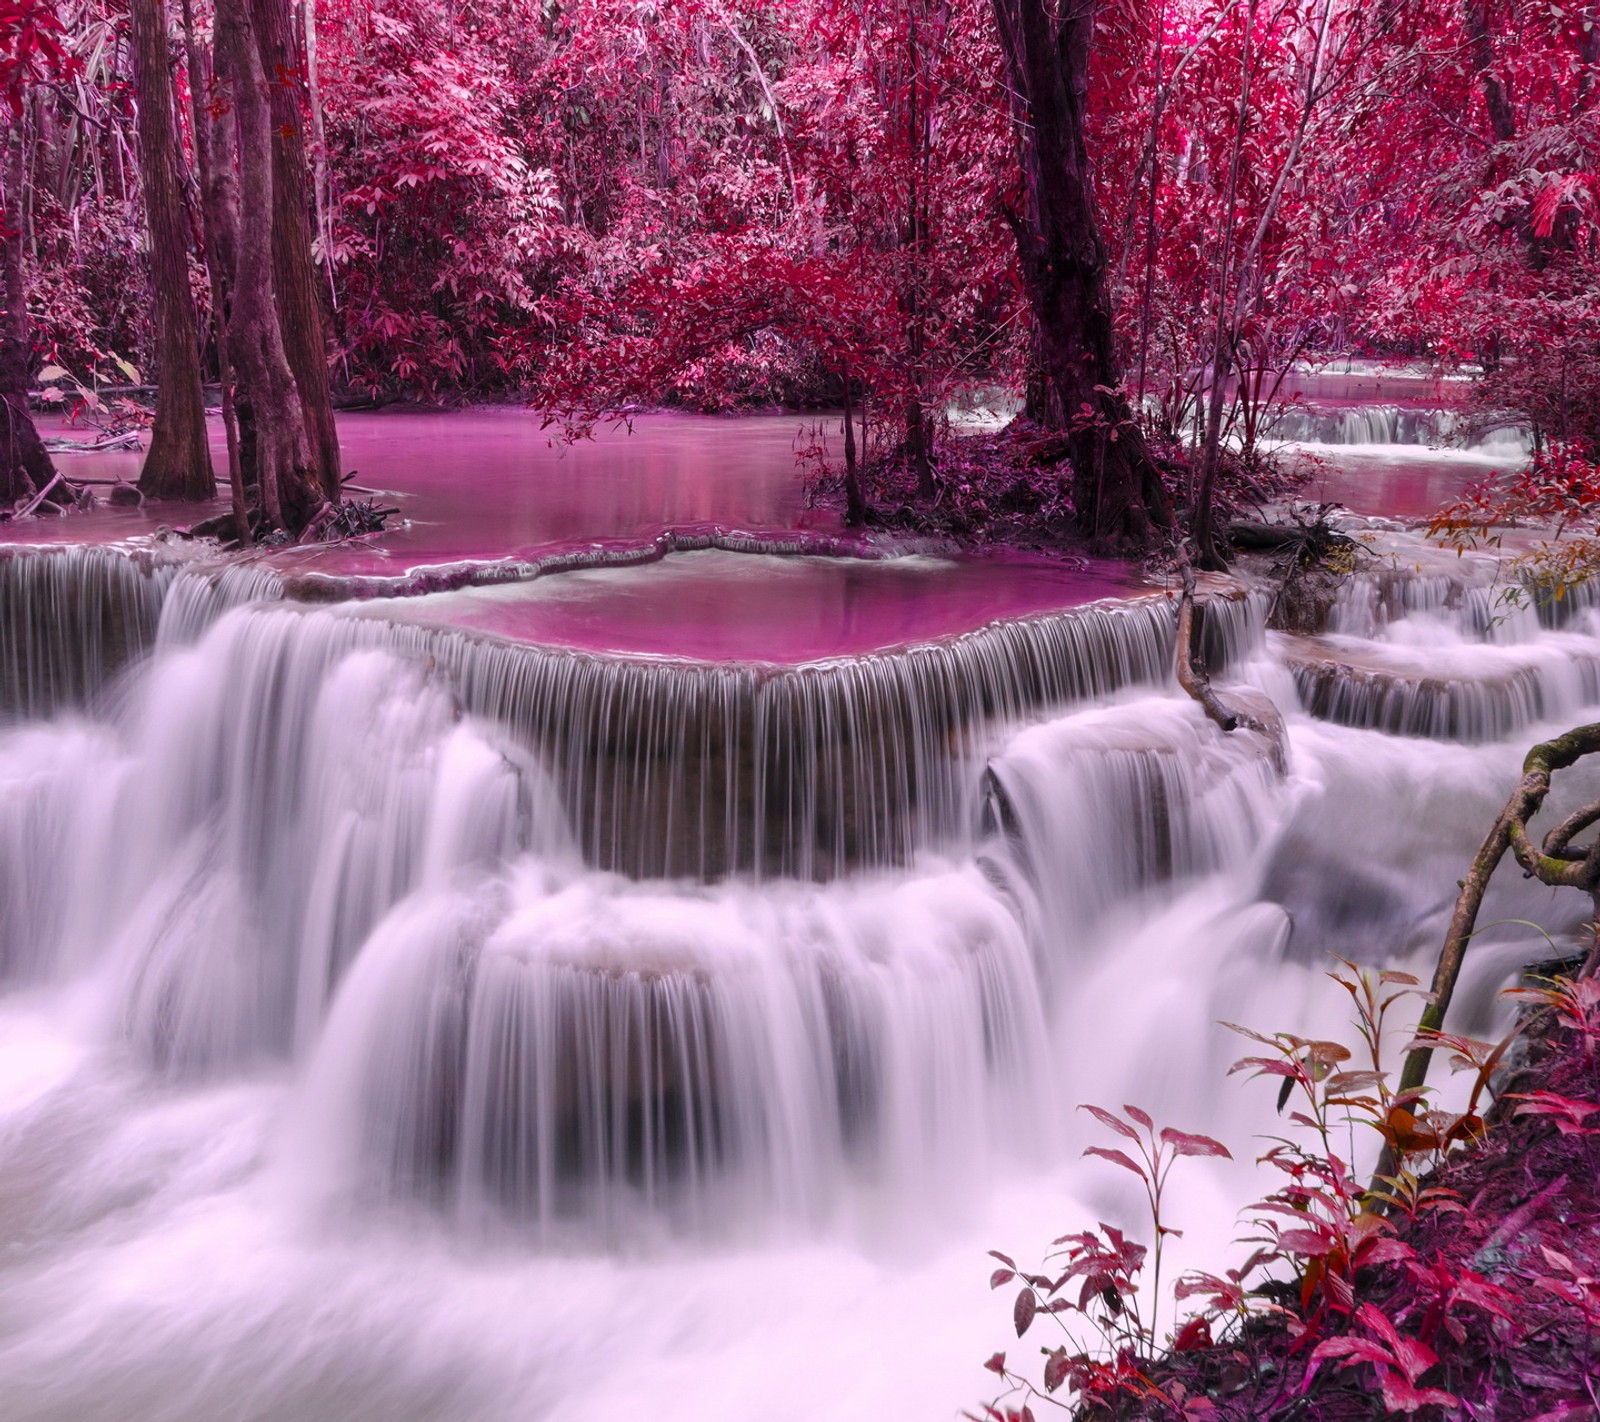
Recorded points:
286,471
1502,117
218,222
178,465
25,464
294,272
855,506
1205,534
1117,490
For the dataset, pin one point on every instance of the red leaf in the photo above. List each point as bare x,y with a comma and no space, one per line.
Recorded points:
996,1363
1306,1241
1116,1157
1107,1118
1023,1310
1183,1143
1055,1370
1001,1276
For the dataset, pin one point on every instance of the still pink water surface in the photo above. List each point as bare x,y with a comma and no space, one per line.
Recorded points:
491,484
718,606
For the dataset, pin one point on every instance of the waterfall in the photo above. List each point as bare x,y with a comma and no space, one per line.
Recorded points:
70,618
1383,424
404,1023
669,769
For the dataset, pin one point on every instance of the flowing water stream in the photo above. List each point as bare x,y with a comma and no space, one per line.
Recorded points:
466,1006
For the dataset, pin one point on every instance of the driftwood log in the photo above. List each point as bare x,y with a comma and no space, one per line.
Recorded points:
1228,713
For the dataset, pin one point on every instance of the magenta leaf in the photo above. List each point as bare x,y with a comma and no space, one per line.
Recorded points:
1055,1370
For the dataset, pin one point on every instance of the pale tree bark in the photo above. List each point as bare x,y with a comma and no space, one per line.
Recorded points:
178,464
1117,490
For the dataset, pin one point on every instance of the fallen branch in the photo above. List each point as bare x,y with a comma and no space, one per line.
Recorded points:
1196,682
59,444
39,498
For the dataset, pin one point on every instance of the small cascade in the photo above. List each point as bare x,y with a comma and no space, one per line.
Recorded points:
198,596
70,619
1407,692
1387,424
1452,655
239,830
1100,808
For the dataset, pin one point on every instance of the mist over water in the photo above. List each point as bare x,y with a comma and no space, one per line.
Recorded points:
400,1022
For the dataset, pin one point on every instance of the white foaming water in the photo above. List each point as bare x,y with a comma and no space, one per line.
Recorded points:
339,1079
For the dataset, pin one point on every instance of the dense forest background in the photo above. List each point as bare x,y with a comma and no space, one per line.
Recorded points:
602,204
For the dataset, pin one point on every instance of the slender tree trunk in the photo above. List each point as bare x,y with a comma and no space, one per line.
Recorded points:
1205,536
1153,165
286,471
919,441
320,191
855,506
1117,490
1480,43
25,464
294,272
178,464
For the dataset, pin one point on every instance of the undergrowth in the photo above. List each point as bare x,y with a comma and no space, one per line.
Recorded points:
1464,1283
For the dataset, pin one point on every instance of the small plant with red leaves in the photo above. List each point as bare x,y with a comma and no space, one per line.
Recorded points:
1096,1278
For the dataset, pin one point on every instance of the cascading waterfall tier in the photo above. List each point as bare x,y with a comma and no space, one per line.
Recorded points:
1447,692
70,619
1453,654
694,769
703,770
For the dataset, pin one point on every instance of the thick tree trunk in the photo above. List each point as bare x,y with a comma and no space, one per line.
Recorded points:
213,133
286,471
178,465
1117,490
294,272
25,464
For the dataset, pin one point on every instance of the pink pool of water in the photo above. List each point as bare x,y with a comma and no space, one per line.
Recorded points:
1396,481
718,606
491,483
